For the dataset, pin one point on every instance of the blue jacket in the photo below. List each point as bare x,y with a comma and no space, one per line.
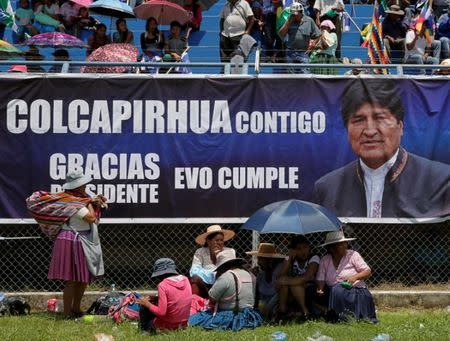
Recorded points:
415,187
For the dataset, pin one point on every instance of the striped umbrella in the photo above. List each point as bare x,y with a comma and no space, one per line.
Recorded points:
55,39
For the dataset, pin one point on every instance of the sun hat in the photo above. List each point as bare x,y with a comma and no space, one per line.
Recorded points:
328,23
164,266
227,234
335,237
394,9
18,68
266,250
227,259
75,179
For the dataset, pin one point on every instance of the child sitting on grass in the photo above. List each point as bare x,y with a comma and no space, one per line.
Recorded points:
174,300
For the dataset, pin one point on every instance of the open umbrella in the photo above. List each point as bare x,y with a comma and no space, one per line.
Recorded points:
54,39
163,11
124,53
82,3
292,216
8,51
113,8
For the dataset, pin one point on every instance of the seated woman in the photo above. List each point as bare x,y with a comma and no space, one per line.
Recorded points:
152,40
47,15
24,17
233,298
297,276
324,51
98,39
205,259
86,24
174,299
341,275
123,35
269,267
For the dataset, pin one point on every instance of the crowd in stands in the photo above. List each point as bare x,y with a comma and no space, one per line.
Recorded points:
292,31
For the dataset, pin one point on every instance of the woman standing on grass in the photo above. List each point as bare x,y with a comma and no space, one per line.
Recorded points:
77,255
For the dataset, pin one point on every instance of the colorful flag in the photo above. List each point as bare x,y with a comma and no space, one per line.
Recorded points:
376,51
7,14
425,14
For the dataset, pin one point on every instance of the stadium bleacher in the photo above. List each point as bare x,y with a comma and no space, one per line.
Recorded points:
205,43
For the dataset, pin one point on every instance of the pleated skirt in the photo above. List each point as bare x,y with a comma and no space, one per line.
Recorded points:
68,261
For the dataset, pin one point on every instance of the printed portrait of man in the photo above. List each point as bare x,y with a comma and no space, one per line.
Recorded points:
386,180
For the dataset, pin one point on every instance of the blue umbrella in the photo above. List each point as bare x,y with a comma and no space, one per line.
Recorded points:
292,216
113,8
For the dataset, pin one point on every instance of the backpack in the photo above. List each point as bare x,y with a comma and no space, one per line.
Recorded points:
125,308
102,304
14,305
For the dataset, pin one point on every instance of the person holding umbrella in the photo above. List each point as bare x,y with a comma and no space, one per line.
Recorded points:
341,277
296,278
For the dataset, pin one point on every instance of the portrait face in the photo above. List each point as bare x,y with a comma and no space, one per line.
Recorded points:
216,243
122,26
302,251
374,134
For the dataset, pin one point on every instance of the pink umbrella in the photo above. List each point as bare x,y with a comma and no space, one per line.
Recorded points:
54,39
124,53
83,3
163,11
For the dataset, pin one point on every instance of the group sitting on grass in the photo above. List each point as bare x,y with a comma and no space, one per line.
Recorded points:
223,294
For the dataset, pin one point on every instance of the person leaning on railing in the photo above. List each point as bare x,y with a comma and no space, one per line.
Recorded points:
236,19
324,50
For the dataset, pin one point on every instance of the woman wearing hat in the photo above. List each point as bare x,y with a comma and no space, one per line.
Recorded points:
205,259
233,298
343,272
71,262
324,51
296,282
174,299
267,273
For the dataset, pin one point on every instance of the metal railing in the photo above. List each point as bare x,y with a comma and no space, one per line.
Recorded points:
243,68
408,254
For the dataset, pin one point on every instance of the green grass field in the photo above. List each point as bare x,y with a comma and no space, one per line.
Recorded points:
400,325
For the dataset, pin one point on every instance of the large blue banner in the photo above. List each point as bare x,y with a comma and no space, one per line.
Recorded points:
211,147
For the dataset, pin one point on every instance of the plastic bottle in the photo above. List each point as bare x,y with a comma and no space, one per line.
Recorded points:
59,306
346,23
55,305
113,287
279,336
382,337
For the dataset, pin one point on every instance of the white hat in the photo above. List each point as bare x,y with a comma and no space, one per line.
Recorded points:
225,258
227,234
75,179
296,7
335,237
